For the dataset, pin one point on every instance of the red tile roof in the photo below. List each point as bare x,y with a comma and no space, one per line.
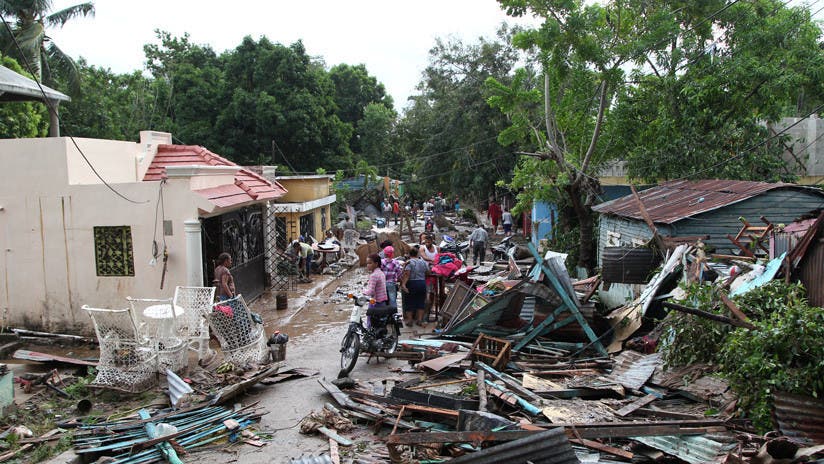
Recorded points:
248,186
676,200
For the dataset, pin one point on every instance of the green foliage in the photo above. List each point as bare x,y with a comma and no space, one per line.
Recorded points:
699,110
782,353
690,339
22,119
29,19
448,132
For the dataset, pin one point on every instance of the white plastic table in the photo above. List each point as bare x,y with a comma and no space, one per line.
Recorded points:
161,316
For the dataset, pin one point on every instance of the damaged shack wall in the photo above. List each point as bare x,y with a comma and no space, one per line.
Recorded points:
621,231
812,272
779,206
48,268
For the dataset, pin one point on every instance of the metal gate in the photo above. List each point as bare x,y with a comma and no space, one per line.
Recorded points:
280,268
239,233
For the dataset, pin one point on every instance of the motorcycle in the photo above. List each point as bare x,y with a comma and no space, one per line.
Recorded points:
379,335
450,245
504,249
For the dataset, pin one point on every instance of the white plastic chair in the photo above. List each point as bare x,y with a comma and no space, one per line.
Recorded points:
160,322
242,340
128,361
197,304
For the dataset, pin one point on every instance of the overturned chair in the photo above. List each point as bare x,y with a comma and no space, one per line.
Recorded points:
161,323
196,303
128,360
242,340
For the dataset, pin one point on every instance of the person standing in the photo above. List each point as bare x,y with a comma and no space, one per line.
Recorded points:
428,250
413,286
392,270
396,210
376,286
506,218
478,240
493,213
223,280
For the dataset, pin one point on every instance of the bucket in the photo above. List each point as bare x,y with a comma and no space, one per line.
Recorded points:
277,352
281,301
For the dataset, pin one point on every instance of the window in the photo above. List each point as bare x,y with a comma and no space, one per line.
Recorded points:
113,252
307,226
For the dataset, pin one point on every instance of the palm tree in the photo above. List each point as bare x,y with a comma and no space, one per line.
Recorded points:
28,20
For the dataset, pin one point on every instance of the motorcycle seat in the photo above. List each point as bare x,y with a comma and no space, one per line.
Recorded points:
382,311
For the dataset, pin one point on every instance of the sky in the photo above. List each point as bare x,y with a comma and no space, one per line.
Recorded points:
391,37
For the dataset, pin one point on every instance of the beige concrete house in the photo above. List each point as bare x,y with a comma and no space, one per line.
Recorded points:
68,238
306,208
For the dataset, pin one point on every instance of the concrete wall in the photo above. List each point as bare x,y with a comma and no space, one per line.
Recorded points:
47,265
304,188
807,148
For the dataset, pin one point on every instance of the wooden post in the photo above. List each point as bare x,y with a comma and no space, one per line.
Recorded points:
662,247
481,391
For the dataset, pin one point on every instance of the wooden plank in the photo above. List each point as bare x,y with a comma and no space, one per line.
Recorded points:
343,399
648,219
334,454
481,390
635,405
733,307
28,355
431,410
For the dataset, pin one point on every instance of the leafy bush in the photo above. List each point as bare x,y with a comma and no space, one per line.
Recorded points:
783,353
690,339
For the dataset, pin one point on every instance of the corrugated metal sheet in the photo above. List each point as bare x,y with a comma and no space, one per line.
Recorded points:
550,447
799,417
177,387
692,449
628,265
676,200
632,369
812,273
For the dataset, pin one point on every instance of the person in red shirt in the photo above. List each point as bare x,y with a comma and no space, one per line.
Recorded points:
396,210
493,213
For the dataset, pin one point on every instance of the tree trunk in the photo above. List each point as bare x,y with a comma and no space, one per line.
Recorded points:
586,244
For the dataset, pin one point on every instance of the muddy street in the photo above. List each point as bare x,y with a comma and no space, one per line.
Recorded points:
315,322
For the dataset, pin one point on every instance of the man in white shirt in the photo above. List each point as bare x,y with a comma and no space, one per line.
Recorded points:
478,240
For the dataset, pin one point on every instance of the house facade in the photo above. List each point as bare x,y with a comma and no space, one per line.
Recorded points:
712,208
68,238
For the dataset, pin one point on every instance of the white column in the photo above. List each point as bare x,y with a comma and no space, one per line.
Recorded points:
194,256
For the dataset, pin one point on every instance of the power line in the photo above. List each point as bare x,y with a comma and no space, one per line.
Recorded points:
53,110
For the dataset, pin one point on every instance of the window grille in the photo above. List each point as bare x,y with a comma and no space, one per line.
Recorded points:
113,252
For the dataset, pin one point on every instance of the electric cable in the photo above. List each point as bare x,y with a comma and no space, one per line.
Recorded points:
53,110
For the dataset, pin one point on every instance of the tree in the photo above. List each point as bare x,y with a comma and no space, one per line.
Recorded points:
128,99
580,52
375,133
355,89
30,18
280,106
22,119
705,104
448,132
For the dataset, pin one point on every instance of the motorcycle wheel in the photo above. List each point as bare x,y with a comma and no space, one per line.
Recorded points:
390,341
349,351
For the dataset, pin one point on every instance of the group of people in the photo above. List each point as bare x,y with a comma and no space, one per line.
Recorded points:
412,277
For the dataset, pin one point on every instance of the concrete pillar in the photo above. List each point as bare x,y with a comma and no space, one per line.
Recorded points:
194,253
54,120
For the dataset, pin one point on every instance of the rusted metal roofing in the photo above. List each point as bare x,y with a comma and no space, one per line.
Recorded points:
676,200
695,450
247,187
632,369
799,417
550,447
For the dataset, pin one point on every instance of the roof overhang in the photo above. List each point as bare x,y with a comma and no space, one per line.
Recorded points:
16,87
306,205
